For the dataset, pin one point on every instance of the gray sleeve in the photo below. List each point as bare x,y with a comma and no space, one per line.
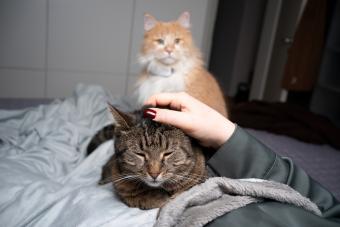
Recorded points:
243,156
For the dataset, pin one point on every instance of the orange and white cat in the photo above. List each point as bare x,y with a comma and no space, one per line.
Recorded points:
172,63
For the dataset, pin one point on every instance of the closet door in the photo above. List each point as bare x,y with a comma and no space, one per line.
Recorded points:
326,95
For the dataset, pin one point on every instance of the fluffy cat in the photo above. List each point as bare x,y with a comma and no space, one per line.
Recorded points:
172,63
152,162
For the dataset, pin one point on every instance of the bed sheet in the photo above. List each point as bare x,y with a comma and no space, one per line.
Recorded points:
45,179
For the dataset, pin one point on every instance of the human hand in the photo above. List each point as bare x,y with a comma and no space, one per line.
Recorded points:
195,118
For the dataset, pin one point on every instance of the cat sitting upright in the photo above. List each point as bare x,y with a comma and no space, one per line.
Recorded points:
172,63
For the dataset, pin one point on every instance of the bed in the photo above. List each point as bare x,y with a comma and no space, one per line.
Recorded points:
46,180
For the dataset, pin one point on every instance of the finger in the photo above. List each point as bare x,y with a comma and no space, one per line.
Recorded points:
175,118
164,98
172,100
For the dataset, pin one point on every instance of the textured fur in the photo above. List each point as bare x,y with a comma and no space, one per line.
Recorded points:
152,162
218,196
172,63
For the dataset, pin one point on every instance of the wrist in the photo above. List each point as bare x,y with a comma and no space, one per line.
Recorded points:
224,133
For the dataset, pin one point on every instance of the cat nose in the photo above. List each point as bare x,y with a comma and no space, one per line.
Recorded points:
154,175
168,49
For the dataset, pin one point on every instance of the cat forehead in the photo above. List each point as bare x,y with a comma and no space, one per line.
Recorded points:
147,127
167,28
152,128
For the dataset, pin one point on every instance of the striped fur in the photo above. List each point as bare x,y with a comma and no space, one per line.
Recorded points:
101,136
152,162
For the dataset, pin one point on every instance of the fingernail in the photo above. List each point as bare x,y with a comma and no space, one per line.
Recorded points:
149,113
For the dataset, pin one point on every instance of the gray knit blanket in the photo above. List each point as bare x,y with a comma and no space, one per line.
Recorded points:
220,195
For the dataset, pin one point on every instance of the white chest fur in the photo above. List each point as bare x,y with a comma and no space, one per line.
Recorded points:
158,83
162,78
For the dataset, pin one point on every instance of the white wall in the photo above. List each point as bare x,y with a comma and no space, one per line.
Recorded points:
48,46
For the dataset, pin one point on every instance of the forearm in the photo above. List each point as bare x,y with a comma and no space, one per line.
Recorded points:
243,156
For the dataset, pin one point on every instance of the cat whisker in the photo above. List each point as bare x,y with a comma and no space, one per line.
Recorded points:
121,180
197,179
111,179
197,175
125,178
172,181
194,175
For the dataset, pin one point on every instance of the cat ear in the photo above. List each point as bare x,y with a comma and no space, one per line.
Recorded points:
149,22
122,120
184,20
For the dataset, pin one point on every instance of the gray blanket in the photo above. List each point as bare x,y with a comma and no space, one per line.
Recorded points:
219,195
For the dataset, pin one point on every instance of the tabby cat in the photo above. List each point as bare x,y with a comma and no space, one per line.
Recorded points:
152,162
172,63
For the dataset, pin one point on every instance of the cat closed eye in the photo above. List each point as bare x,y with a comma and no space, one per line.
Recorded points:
167,154
141,155
177,41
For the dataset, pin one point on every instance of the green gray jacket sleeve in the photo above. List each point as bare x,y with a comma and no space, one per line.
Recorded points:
242,156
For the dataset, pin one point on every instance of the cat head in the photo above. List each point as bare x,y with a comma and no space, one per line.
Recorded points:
168,42
156,154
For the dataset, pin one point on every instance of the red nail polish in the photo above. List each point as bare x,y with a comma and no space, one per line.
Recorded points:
149,113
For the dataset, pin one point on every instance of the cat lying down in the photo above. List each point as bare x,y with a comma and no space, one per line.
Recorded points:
152,163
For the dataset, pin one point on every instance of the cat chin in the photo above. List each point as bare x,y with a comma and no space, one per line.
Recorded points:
154,184
145,60
168,61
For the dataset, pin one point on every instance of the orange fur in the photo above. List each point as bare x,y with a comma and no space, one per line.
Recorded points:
203,86
174,64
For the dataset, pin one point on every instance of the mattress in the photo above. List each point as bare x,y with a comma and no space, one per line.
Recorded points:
321,162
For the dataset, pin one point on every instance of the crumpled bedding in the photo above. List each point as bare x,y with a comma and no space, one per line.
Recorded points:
220,195
45,179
